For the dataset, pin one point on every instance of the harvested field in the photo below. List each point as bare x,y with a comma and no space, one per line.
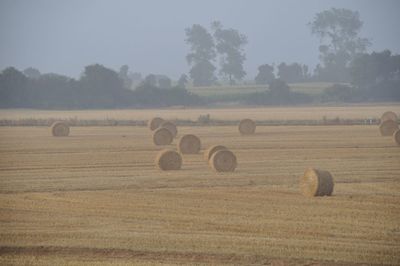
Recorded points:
96,197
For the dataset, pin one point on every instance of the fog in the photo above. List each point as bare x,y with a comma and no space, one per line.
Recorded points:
64,36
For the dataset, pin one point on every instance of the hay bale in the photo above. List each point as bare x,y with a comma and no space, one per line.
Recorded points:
171,127
169,160
162,136
60,129
389,115
388,127
189,144
223,161
155,123
316,182
396,136
210,151
247,127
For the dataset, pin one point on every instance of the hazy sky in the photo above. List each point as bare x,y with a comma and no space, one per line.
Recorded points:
148,35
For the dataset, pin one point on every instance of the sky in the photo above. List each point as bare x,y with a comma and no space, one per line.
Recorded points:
64,36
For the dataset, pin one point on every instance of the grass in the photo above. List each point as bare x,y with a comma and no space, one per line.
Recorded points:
312,88
96,197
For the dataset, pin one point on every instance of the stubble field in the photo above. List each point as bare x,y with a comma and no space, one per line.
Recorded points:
96,197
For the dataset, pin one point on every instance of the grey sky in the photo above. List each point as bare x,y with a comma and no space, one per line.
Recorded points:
64,36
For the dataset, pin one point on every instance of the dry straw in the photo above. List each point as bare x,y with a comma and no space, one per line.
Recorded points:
223,161
247,127
60,129
210,151
155,123
396,136
171,127
162,136
169,160
189,144
316,182
388,127
389,115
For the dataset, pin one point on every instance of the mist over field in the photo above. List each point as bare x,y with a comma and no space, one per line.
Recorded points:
140,54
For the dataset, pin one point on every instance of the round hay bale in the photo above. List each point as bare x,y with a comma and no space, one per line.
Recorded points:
389,115
388,127
60,129
210,151
396,136
189,144
247,127
169,160
316,182
162,136
223,161
171,127
155,123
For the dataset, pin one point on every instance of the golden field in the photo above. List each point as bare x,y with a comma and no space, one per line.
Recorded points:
96,198
362,111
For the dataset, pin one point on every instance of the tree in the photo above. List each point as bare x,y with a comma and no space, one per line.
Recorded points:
164,82
229,44
265,74
377,75
150,80
13,88
338,31
32,73
124,76
101,87
202,54
183,80
291,73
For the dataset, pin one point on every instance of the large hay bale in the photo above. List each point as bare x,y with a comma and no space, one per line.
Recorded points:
189,144
389,115
162,136
169,160
396,136
388,127
223,161
155,123
210,151
247,127
171,127
60,129
316,182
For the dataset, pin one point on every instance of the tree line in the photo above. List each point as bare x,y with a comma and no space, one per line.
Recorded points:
359,76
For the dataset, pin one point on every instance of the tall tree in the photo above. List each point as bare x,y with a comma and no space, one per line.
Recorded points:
230,45
32,73
201,56
338,31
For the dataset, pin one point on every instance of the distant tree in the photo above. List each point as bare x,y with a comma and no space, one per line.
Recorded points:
124,76
101,87
164,82
338,93
265,74
377,75
32,73
202,54
338,30
136,78
183,80
230,45
54,91
150,80
13,88
291,73
278,87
